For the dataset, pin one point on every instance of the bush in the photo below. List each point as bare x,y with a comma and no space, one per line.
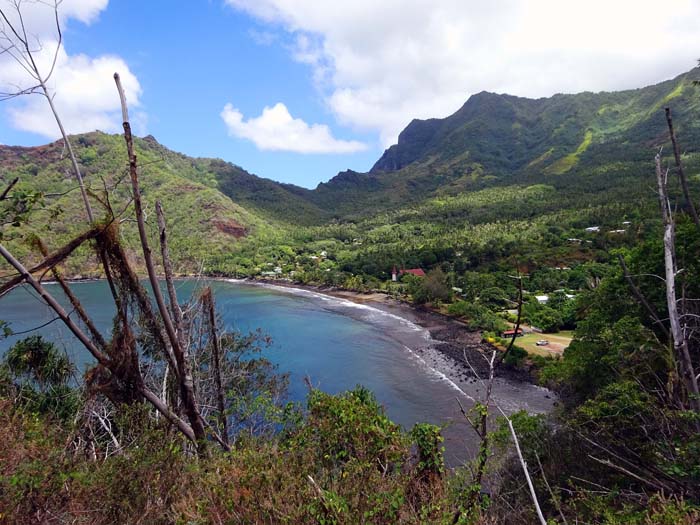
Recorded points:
478,317
433,287
39,374
546,319
516,356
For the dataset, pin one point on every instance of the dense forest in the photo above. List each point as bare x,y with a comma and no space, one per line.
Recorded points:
574,213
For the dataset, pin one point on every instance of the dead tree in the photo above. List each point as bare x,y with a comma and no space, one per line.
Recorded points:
480,422
480,427
184,373
118,372
207,299
678,333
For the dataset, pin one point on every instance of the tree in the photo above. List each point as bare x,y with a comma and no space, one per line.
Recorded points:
18,42
39,376
164,337
680,322
433,287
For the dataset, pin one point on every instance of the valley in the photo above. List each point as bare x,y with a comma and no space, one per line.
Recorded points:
497,322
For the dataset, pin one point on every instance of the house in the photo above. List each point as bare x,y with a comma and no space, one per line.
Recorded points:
510,333
414,271
593,229
542,299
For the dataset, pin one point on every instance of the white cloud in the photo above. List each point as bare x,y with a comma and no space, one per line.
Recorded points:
276,130
83,86
380,64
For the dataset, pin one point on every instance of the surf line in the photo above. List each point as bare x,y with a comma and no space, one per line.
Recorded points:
346,302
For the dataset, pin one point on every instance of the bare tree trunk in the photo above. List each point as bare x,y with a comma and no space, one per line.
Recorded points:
100,357
517,322
681,173
69,147
48,298
168,270
523,464
483,432
680,343
174,306
184,374
208,304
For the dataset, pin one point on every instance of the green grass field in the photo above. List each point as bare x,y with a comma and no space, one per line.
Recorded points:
557,342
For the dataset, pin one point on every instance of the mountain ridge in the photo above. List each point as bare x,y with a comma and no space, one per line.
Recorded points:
588,149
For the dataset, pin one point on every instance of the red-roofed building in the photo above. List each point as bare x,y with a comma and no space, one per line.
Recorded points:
414,271
510,333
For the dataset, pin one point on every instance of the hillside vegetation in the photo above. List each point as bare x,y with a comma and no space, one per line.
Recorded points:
538,213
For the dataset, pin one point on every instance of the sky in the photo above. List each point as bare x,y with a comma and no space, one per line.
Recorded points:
298,90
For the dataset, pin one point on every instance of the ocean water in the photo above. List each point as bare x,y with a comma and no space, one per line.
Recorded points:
336,343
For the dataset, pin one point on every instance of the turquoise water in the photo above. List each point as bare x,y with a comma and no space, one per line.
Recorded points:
336,343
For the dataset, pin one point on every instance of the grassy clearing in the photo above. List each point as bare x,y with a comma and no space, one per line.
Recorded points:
557,343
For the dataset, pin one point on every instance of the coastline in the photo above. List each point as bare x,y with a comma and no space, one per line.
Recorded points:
454,351
451,338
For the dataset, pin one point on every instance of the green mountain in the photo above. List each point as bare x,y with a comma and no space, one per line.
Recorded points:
587,142
503,177
264,196
202,219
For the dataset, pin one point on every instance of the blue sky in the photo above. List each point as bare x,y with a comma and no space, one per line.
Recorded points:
339,79
190,62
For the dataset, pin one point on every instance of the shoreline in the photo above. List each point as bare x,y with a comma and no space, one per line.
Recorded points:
461,351
450,337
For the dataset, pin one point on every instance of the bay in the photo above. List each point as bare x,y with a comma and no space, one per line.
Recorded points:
337,344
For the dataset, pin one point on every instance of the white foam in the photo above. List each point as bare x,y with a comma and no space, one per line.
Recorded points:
378,313
337,300
440,375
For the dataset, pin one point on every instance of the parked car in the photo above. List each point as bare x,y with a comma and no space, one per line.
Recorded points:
542,342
